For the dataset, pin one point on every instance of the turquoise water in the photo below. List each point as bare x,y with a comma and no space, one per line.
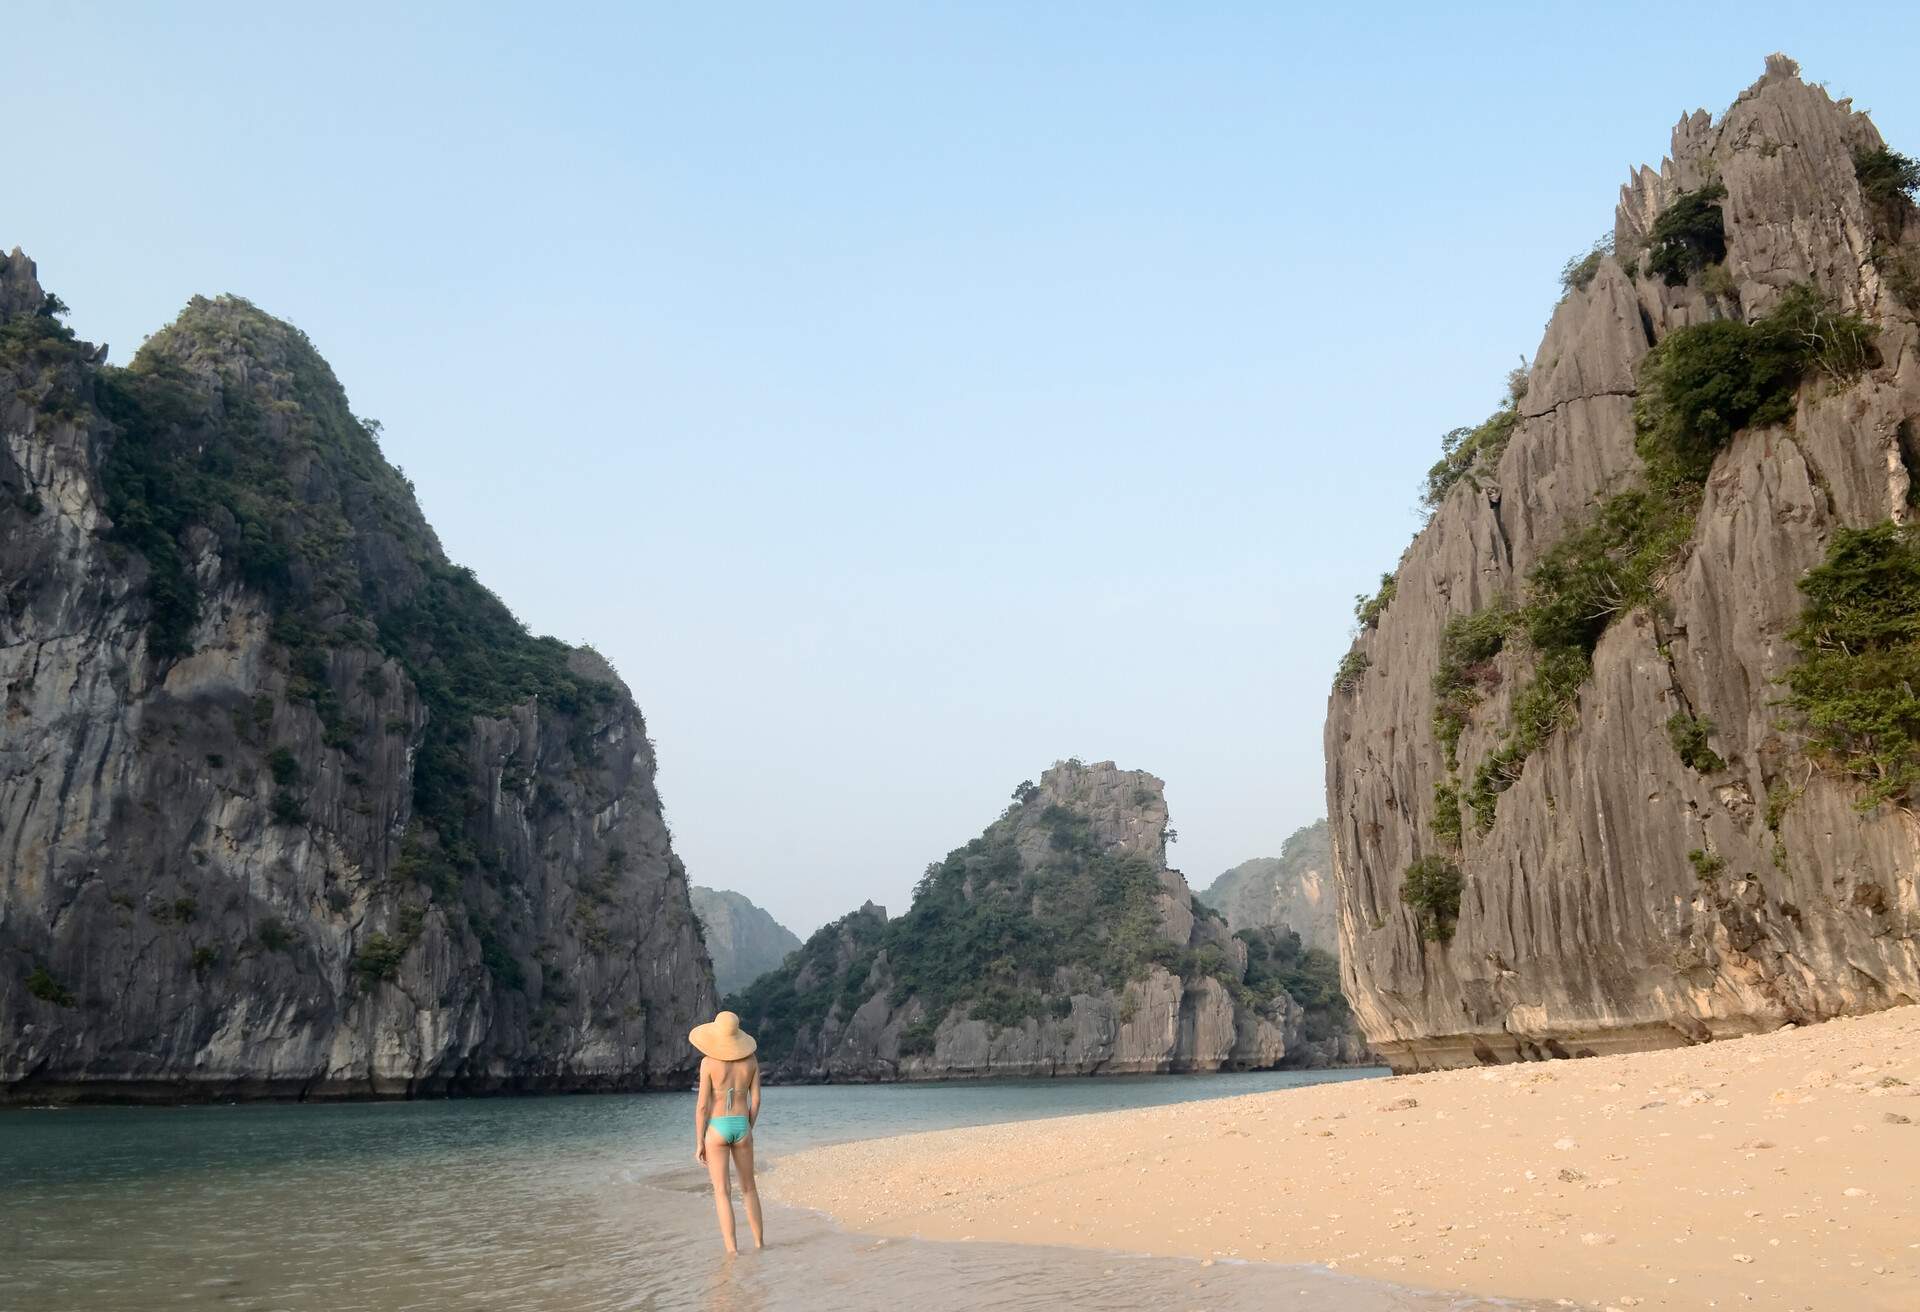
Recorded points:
545,1203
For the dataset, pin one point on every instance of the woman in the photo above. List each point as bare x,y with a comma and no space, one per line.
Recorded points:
729,1082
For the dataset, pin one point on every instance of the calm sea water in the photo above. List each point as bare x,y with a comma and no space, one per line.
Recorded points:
538,1204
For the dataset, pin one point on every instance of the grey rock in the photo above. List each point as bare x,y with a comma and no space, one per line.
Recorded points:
1583,928
164,935
20,291
743,940
1294,889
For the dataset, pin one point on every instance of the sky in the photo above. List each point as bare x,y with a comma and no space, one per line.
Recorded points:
903,397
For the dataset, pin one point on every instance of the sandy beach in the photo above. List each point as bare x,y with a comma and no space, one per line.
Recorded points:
1779,1171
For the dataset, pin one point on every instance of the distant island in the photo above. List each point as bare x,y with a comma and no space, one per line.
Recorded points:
1294,889
1056,943
743,940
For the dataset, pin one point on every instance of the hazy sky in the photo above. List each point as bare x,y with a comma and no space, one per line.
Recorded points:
903,396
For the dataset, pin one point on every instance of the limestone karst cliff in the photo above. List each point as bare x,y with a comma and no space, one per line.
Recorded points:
1294,889
1622,754
743,940
291,806
1056,943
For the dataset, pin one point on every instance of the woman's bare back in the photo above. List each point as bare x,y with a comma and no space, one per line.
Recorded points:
731,1082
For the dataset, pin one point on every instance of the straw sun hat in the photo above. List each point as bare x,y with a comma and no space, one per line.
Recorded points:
721,1038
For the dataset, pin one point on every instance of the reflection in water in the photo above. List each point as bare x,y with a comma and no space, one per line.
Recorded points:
561,1204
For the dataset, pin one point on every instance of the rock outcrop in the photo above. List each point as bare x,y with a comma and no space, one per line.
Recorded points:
1057,943
289,805
1294,889
1667,865
743,940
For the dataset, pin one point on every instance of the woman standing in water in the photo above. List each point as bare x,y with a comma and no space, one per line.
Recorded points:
729,1083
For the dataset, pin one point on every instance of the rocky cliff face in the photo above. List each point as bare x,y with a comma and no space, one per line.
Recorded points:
1648,850
289,805
1057,943
743,940
1294,889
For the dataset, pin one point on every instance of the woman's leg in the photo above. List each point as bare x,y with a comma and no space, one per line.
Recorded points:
749,1192
717,1156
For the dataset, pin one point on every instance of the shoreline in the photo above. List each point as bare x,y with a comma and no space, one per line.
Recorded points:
1771,1171
157,1094
187,1094
1067,1077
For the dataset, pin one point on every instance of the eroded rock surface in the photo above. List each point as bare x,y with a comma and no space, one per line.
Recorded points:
218,874
1584,926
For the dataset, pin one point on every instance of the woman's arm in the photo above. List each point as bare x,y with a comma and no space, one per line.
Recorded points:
702,1112
753,1099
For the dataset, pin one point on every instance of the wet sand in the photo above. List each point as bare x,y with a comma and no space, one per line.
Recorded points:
1780,1171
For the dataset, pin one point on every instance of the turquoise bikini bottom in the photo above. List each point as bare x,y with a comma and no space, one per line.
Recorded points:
731,1129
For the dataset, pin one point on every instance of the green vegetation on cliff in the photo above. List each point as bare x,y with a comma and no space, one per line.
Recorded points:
1368,610
1889,181
1003,939
1698,387
1688,733
1595,574
1279,962
1346,677
988,930
1466,452
230,439
824,974
228,421
1578,273
1689,235
985,932
42,985
1467,647
1704,383
1857,686
1432,888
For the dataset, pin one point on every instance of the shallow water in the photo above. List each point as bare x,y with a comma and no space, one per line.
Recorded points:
548,1203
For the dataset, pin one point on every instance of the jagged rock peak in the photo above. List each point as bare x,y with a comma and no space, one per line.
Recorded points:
20,291
1746,150
1653,858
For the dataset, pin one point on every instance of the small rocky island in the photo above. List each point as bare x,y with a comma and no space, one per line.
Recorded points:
1058,942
